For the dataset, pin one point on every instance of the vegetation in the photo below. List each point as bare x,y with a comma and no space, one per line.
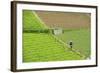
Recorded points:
31,21
43,47
39,45
80,38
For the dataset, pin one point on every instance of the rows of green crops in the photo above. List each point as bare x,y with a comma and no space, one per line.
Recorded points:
32,21
43,47
40,47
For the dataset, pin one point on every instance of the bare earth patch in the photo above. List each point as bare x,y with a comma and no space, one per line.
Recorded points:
67,20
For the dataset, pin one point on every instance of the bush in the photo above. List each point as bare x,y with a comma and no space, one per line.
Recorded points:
37,31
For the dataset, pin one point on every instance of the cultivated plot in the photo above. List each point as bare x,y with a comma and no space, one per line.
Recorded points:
46,36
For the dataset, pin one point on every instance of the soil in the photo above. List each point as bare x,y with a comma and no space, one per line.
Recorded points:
67,20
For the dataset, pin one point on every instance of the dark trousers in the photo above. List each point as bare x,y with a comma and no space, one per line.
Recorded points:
71,46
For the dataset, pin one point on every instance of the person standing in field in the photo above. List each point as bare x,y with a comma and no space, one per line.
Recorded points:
71,44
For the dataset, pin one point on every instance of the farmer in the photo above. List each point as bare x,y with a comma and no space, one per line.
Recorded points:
71,44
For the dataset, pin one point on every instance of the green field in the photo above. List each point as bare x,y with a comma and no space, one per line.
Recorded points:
31,21
43,47
80,38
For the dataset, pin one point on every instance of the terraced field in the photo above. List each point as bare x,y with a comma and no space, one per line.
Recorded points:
41,47
31,21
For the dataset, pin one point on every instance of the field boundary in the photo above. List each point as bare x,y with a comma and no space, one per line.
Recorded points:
39,19
73,50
